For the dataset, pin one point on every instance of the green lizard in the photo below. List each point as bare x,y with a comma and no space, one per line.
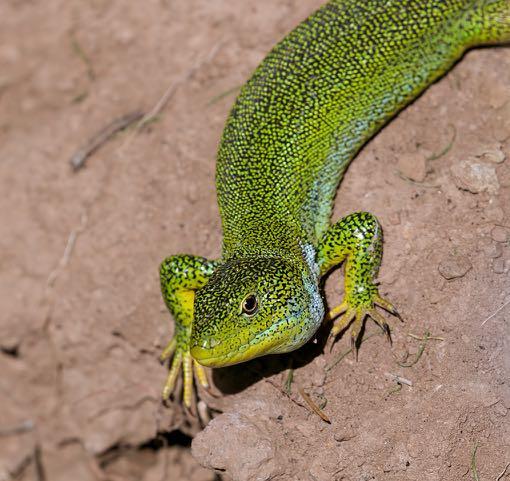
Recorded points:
317,97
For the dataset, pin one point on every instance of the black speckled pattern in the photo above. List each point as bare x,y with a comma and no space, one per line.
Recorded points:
318,96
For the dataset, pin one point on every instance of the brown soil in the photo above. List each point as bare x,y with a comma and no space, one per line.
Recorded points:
82,320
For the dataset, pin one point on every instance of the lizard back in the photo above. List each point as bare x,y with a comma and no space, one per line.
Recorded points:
318,96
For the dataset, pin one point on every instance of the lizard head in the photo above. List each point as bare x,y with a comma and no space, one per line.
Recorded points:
254,306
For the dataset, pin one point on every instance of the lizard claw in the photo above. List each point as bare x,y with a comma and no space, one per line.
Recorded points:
354,347
387,306
357,316
182,362
343,322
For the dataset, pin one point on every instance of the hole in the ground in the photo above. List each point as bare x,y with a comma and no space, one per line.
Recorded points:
137,459
162,440
11,351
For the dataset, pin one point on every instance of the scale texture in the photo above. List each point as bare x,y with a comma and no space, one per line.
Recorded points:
320,95
314,101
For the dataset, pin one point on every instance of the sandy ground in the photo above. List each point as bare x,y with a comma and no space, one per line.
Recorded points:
82,320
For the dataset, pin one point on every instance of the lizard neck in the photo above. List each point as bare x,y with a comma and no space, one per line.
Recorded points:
274,238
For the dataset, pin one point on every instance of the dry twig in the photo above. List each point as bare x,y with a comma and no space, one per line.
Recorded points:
278,388
495,312
422,338
78,50
287,385
39,467
64,260
421,349
415,182
503,472
223,95
313,406
474,470
398,379
447,148
77,161
17,471
21,428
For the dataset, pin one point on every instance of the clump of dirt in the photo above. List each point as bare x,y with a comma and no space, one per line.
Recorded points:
82,319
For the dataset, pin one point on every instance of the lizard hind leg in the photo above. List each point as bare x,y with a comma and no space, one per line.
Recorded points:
356,239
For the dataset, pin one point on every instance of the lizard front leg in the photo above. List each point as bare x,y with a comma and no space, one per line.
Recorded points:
180,277
357,239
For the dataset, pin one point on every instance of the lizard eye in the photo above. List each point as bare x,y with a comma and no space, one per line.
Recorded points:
250,305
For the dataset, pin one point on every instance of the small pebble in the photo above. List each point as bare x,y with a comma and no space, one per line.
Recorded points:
475,177
500,234
494,156
504,177
491,249
454,267
343,436
500,409
245,435
501,123
494,213
498,266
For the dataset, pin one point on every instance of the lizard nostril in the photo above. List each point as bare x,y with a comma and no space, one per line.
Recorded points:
210,342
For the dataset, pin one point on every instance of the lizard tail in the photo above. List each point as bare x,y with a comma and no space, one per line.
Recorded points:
495,16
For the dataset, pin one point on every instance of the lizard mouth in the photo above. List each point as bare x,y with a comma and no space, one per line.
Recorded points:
268,341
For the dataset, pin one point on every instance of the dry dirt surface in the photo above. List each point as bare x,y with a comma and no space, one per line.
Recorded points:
82,320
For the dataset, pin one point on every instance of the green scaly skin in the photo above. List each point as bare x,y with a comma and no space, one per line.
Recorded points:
318,96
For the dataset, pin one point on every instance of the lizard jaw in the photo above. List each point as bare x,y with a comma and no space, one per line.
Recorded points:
260,345
265,342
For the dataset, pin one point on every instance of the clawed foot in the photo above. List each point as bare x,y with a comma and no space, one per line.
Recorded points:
182,361
357,315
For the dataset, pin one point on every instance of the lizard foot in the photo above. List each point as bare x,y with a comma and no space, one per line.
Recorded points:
356,313
182,361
